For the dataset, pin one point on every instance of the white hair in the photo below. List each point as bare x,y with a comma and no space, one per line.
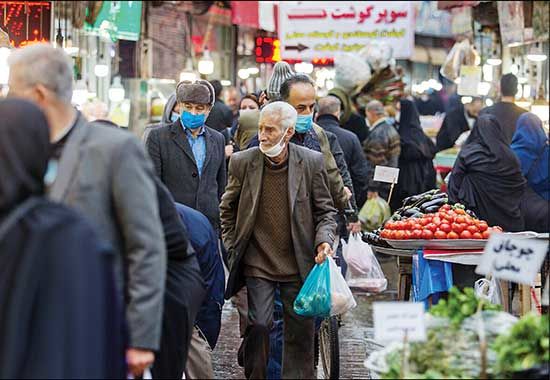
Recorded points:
43,64
281,111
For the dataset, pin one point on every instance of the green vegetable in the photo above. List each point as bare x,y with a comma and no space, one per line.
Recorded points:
526,345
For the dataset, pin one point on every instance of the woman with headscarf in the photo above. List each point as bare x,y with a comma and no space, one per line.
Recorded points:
530,144
247,123
416,170
487,177
59,313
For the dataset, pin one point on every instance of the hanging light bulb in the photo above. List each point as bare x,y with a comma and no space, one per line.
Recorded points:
188,74
243,74
536,54
206,65
101,69
116,91
494,60
80,93
4,68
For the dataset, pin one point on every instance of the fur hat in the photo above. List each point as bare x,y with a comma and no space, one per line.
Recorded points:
281,72
199,92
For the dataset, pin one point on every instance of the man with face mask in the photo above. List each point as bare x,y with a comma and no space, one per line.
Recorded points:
458,121
189,157
277,213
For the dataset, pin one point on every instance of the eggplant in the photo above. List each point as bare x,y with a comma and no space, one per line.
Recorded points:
472,214
439,202
417,215
411,211
431,209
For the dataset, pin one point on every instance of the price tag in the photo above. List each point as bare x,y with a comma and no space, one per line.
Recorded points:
386,174
513,259
392,320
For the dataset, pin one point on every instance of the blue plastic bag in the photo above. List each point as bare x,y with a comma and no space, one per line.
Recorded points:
430,278
314,297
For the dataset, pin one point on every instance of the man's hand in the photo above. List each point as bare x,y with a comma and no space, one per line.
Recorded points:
354,227
323,250
348,192
139,360
372,194
229,150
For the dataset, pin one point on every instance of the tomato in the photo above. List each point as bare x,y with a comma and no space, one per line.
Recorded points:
400,225
385,234
445,208
432,227
389,225
486,234
477,235
427,235
440,235
399,235
482,225
445,227
456,227
408,234
417,226
424,221
449,218
460,219
473,229
436,220
460,211
417,234
465,234
470,221
464,225
452,235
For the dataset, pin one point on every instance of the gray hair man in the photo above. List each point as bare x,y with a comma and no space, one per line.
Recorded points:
382,146
276,211
105,174
329,119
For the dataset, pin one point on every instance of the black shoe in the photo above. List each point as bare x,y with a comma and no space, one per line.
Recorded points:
240,354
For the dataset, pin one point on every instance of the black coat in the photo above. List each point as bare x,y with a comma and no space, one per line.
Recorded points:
487,177
176,167
60,315
353,154
357,125
507,115
184,292
220,117
453,126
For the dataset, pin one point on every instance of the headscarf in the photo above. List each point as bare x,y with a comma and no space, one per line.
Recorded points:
413,138
530,144
487,177
24,152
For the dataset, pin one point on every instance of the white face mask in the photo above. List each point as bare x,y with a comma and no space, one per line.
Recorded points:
276,149
397,116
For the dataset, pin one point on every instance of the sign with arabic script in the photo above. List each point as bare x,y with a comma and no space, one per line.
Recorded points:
322,29
512,258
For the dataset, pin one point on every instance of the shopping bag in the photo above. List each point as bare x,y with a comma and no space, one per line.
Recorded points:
488,289
364,271
341,298
374,213
313,300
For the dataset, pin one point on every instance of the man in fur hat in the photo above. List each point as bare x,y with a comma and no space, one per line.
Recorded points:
189,157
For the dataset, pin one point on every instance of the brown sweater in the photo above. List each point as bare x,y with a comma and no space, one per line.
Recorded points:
270,254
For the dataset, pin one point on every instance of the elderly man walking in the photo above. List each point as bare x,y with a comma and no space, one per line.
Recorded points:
382,146
277,215
189,157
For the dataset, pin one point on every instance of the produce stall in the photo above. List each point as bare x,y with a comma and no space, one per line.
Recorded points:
467,337
427,235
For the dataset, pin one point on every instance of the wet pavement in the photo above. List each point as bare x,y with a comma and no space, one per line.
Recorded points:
356,328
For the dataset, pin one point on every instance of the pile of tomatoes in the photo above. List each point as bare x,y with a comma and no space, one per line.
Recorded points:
447,223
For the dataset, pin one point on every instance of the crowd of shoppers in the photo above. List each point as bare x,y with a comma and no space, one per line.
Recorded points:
121,243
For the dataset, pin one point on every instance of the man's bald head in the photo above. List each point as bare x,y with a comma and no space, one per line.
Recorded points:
374,111
329,105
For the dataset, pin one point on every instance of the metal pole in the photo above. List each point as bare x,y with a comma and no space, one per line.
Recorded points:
235,57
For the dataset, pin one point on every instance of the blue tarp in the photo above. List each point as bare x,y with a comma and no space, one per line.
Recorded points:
430,278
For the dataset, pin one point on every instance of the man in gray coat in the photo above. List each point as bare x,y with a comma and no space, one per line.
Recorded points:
188,156
104,173
277,214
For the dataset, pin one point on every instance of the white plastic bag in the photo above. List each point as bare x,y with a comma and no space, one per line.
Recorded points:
364,271
489,290
341,298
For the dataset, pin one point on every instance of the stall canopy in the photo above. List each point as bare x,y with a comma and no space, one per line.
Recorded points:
119,20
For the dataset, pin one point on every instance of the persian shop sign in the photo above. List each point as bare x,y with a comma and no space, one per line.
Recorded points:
316,29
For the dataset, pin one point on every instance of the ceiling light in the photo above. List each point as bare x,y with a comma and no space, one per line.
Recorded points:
489,102
101,70
243,74
494,61
466,99
253,70
514,69
116,91
536,54
225,82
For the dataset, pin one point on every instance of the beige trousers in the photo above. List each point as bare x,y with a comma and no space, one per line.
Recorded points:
199,359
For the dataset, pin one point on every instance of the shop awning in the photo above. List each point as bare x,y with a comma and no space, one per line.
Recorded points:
254,14
435,56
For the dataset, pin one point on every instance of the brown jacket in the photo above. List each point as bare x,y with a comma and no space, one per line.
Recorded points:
312,211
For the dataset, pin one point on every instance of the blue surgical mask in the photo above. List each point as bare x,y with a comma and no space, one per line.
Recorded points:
174,116
192,121
303,123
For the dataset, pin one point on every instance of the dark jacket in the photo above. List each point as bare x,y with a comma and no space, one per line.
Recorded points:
166,117
353,154
205,243
350,120
312,211
220,116
454,124
382,147
507,115
176,167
